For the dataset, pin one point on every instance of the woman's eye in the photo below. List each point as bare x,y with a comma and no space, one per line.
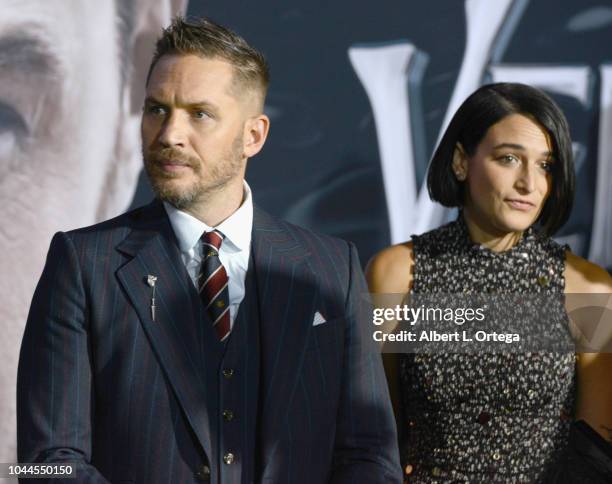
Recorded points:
508,159
546,166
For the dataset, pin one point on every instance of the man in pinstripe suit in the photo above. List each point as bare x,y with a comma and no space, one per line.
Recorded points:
198,338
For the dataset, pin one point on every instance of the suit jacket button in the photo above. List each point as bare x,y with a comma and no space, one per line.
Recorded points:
203,473
228,458
228,415
228,373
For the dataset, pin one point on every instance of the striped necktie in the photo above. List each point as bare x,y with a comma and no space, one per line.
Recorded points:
213,284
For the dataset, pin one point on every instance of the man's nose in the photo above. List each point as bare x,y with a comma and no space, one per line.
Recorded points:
172,132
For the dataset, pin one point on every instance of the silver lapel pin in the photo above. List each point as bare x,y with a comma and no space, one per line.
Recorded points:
151,282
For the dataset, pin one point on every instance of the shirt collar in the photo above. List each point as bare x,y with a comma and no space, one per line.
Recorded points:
236,228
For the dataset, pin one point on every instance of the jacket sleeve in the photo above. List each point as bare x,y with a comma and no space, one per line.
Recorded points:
366,447
54,380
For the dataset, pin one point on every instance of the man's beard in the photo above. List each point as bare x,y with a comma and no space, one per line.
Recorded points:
183,197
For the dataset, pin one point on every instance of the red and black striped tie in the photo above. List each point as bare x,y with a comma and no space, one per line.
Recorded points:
213,284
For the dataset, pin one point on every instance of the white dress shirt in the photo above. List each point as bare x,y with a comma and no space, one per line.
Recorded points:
234,252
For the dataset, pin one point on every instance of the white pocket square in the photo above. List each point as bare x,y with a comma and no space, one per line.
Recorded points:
318,319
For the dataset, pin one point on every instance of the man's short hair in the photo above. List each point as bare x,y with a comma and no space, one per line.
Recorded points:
205,38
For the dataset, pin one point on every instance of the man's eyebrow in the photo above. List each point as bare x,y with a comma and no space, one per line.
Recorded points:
30,53
515,146
152,100
194,104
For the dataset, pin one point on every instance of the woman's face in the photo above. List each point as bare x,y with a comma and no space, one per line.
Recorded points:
508,177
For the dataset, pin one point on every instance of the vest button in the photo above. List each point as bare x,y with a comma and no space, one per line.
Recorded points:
228,373
203,473
228,415
228,458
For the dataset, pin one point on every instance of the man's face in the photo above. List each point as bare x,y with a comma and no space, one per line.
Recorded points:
192,129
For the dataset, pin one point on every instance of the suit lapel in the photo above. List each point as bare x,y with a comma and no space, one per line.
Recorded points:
175,332
287,294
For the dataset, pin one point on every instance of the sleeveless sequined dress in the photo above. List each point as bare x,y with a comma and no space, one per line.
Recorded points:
486,417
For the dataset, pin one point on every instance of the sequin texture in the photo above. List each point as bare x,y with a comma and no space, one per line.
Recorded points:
486,417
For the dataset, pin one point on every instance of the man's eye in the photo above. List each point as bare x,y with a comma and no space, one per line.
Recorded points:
156,110
11,120
201,114
13,129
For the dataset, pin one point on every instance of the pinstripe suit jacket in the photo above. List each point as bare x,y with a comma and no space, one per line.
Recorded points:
103,385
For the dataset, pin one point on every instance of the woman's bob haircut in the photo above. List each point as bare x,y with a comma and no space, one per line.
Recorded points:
486,107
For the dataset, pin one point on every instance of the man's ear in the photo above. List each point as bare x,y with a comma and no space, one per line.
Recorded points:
255,134
150,17
460,163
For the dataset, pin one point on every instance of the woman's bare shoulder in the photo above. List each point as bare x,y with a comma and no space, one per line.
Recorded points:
583,276
390,270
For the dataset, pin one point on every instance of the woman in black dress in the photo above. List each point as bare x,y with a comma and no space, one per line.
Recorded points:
506,162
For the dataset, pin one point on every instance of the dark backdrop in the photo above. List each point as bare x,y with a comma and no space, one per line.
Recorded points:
321,167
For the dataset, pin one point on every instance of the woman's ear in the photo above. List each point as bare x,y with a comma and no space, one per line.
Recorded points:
460,163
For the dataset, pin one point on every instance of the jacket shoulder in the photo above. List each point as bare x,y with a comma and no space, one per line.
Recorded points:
324,241
326,252
126,218
116,228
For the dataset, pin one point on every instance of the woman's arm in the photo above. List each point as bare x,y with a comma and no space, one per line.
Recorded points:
594,370
390,272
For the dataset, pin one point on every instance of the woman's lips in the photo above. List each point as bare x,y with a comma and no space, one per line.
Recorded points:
522,205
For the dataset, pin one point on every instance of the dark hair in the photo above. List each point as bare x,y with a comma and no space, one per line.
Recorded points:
487,106
205,38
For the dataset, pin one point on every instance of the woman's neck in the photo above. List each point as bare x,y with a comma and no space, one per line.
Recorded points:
488,236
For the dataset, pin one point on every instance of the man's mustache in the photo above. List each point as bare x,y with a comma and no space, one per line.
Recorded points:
169,155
